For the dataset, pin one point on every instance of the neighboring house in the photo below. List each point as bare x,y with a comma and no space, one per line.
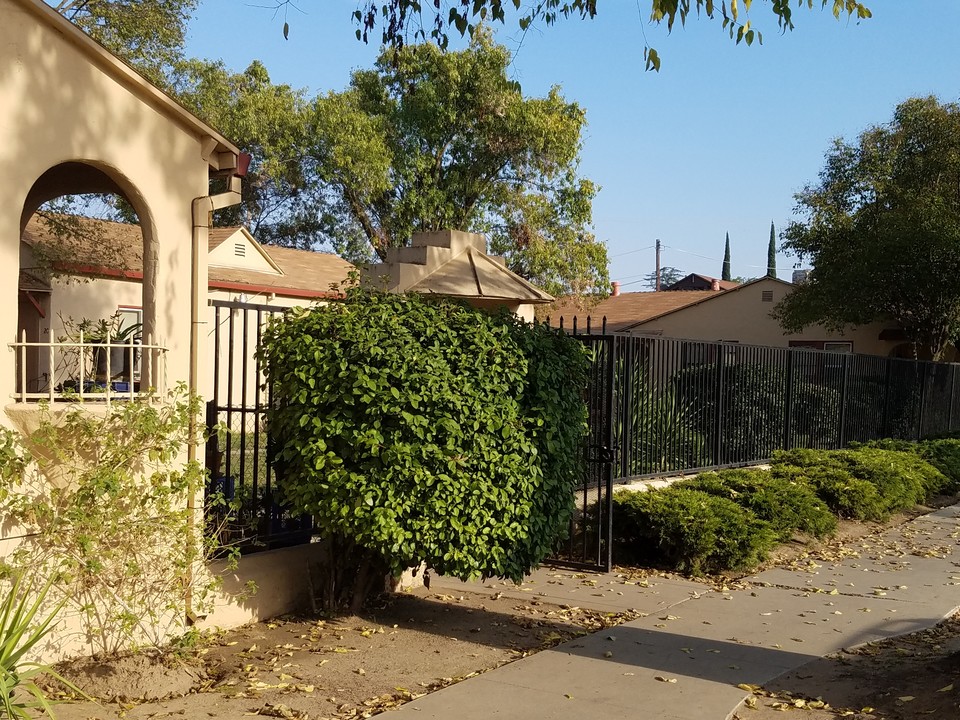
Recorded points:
95,285
622,310
693,281
741,314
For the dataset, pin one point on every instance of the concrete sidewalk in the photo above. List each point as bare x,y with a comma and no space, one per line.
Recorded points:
684,659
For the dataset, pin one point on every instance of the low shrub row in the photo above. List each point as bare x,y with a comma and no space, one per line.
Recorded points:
731,519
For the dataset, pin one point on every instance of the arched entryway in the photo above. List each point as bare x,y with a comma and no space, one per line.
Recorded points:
80,272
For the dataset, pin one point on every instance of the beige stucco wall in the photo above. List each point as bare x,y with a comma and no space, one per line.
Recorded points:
283,580
742,316
59,107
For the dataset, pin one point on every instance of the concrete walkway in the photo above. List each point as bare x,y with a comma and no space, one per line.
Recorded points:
684,659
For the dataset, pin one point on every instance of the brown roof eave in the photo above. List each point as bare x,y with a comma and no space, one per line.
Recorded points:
276,290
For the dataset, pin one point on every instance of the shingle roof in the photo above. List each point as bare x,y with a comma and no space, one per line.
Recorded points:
630,308
109,248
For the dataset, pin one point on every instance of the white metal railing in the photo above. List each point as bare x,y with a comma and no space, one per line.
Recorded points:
84,370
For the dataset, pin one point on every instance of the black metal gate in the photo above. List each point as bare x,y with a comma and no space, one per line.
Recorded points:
238,454
588,543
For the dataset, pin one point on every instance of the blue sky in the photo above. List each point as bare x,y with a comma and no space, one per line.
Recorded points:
718,141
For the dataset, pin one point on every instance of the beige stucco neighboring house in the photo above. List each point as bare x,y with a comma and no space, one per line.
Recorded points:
94,286
741,314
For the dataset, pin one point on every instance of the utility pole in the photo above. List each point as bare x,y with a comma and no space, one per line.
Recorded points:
657,286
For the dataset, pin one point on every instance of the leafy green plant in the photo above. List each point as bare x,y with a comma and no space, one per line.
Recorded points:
663,435
424,431
688,530
942,452
104,508
20,632
789,505
752,407
901,479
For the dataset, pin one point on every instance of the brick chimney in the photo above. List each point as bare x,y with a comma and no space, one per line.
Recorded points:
616,287
715,285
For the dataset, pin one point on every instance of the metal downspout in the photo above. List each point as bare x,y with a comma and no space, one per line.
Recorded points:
202,210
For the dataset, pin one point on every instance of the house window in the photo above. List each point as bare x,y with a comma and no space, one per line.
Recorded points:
240,249
766,296
838,347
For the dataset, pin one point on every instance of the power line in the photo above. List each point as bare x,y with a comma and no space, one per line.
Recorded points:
631,252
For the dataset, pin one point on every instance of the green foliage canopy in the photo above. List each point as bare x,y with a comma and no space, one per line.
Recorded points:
882,230
668,276
725,272
396,17
772,253
270,122
423,431
429,140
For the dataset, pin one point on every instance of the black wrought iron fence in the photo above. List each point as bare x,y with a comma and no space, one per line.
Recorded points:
686,405
239,457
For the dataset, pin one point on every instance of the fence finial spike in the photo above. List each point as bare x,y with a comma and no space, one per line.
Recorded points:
588,324
574,324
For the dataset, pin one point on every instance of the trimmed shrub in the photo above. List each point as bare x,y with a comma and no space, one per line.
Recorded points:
689,531
424,431
944,454
787,504
901,479
845,495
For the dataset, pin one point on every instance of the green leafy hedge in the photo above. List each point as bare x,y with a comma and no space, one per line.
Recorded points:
688,530
901,479
787,504
728,520
426,431
942,453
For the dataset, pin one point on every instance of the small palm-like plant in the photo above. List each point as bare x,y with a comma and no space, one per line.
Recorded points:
19,634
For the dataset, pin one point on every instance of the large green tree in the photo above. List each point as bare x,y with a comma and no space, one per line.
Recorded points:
772,253
270,122
725,272
430,140
882,230
668,276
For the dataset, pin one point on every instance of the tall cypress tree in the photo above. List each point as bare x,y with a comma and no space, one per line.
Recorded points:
772,253
726,260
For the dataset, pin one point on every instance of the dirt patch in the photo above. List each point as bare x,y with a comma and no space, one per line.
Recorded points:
912,677
143,676
314,667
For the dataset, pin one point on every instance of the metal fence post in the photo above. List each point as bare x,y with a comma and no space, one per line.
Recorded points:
788,402
842,430
923,387
718,409
606,558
